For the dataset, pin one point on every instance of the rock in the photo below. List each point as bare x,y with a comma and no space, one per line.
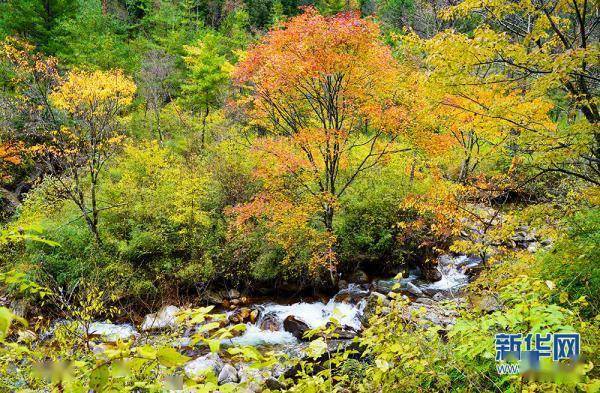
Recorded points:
431,273
342,284
233,294
345,333
241,315
270,321
111,333
253,377
352,294
546,242
274,384
202,365
214,297
295,326
438,297
425,300
359,277
473,271
435,314
486,303
375,299
413,289
533,247
254,315
228,374
164,318
384,286
19,307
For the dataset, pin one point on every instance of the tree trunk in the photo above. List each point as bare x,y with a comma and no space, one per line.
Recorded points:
328,218
412,167
158,129
464,170
204,126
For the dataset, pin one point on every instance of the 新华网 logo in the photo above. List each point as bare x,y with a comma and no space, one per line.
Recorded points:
516,353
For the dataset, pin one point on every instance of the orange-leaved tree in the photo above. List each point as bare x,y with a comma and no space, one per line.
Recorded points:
329,100
327,92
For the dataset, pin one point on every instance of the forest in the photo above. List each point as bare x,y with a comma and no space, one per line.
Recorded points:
299,196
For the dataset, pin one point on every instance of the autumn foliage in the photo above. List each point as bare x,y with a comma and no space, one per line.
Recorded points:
326,90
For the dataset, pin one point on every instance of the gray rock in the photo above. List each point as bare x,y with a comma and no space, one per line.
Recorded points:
439,296
425,300
270,321
533,247
253,378
228,374
359,277
375,299
164,318
202,365
274,384
352,294
427,314
233,294
111,333
215,297
413,289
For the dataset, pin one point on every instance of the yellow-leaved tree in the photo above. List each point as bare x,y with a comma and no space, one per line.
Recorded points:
90,104
534,56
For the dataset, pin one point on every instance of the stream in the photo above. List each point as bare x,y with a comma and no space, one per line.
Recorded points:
348,305
282,325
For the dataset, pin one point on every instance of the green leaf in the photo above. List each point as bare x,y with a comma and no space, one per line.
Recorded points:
169,357
99,378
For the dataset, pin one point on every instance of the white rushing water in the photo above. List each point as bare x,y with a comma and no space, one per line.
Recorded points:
453,270
255,336
315,315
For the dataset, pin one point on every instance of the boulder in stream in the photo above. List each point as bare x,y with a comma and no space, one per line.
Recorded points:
375,299
270,321
413,289
215,297
164,318
228,374
352,294
295,326
431,272
109,332
203,365
241,315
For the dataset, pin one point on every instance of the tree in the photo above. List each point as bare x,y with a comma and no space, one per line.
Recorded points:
157,68
35,20
208,76
326,91
26,118
539,49
80,148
